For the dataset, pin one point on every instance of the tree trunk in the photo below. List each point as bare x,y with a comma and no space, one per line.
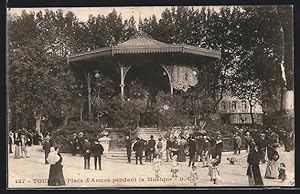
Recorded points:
38,120
81,111
285,16
251,113
138,121
17,122
158,123
281,98
217,103
81,119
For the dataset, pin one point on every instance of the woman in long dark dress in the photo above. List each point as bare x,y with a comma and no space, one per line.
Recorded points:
175,147
181,155
253,170
17,147
56,176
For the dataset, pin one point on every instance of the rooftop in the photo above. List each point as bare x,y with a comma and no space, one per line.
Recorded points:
145,45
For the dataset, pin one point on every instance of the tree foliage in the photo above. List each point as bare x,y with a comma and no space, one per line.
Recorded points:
254,41
41,81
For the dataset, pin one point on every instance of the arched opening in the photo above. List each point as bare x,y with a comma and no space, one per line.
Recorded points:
244,105
151,78
145,81
223,105
233,105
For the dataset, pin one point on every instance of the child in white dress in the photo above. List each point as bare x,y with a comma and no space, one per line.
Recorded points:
175,167
157,165
194,175
213,170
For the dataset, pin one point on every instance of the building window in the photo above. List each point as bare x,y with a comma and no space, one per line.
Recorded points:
244,105
223,106
233,105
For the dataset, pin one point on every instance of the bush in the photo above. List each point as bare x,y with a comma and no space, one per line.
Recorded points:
62,136
226,130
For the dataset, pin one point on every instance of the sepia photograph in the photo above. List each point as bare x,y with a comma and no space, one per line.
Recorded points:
150,97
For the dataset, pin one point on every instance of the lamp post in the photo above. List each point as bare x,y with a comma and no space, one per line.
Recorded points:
89,80
81,106
97,76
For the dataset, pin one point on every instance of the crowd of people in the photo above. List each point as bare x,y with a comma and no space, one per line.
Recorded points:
79,145
261,146
20,142
196,148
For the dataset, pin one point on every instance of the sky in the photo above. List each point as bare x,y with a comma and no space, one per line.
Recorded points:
83,13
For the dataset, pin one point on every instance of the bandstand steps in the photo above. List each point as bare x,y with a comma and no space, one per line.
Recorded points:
120,154
145,133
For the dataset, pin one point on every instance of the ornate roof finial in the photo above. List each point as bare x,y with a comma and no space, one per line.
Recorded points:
140,31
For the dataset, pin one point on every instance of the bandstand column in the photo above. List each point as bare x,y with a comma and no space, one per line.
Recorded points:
122,84
123,71
171,88
169,70
88,79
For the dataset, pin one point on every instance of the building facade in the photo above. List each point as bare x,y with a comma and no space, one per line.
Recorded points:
236,111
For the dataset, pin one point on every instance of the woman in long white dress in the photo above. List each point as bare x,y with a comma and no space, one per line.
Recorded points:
272,165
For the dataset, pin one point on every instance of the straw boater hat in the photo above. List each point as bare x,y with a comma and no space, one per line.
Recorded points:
214,161
174,157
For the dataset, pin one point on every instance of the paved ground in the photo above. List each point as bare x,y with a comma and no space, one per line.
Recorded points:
32,172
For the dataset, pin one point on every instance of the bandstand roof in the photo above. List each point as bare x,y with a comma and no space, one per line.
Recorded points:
144,45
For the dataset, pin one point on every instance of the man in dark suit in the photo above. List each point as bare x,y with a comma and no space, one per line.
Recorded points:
74,144
97,149
128,148
81,142
151,145
168,149
87,153
206,150
29,137
46,147
192,150
138,148
262,147
199,147
219,148
10,141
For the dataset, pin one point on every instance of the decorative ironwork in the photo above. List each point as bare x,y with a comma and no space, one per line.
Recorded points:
123,71
169,71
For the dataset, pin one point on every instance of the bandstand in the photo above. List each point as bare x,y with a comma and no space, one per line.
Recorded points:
136,52
140,56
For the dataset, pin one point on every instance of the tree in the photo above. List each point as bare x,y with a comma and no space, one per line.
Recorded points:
126,114
40,81
208,29
171,110
103,90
